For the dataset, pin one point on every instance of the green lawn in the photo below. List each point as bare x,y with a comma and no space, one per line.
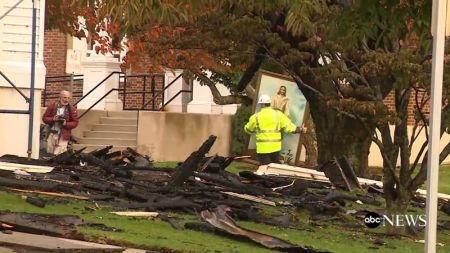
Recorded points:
157,234
444,179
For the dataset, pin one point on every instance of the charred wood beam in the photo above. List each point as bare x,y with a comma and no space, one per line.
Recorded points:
177,202
187,168
128,193
93,186
101,152
235,186
92,160
223,222
114,154
138,160
54,225
68,157
26,184
338,197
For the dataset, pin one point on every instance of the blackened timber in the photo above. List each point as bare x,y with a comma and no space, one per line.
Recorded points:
36,201
92,160
236,186
128,193
150,175
54,225
101,152
139,160
187,168
94,186
340,173
339,197
115,154
177,202
66,157
25,184
220,219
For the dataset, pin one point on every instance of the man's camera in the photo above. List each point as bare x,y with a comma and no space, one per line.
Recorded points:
60,118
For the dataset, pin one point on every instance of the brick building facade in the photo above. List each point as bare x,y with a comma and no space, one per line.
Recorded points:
138,80
55,55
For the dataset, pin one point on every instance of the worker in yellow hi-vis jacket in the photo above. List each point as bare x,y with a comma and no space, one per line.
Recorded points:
268,125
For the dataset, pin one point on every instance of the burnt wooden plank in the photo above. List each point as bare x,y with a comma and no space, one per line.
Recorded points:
187,168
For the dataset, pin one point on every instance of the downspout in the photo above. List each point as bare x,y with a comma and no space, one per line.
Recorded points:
33,69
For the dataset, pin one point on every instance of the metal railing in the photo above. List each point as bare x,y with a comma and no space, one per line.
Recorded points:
155,93
98,101
27,99
176,95
162,93
98,85
153,90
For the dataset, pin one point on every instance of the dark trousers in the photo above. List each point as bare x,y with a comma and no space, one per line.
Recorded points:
269,158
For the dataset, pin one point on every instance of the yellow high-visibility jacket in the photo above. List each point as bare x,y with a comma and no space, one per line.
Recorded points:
268,124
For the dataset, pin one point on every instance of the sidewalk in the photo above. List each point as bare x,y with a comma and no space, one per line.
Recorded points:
30,243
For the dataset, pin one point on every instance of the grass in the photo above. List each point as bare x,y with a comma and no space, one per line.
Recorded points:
166,164
158,235
444,179
236,167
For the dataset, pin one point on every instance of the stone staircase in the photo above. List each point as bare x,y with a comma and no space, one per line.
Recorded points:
117,128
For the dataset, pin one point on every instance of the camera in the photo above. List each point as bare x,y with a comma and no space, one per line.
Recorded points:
60,114
60,118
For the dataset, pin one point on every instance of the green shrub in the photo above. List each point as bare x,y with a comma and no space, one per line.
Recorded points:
239,141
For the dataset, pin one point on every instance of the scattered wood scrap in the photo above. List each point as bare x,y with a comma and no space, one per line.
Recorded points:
130,183
251,198
223,222
137,214
340,173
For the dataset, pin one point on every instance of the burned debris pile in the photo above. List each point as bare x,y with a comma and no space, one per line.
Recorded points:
130,183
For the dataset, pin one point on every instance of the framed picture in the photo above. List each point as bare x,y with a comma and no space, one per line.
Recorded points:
293,104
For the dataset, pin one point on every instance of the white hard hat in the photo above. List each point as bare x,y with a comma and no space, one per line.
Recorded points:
264,99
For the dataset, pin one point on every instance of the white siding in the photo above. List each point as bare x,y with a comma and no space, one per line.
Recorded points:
15,30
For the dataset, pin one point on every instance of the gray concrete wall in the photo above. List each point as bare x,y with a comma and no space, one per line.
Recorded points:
85,123
171,136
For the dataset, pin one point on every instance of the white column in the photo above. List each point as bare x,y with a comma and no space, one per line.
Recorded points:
179,103
438,30
226,109
15,63
203,100
96,68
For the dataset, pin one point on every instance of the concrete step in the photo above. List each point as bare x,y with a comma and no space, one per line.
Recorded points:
110,134
118,121
111,127
107,141
122,114
92,147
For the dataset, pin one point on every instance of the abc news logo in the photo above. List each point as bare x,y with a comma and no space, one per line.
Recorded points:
373,220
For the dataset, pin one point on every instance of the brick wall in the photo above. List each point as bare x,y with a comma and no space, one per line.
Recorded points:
55,53
137,75
55,50
390,102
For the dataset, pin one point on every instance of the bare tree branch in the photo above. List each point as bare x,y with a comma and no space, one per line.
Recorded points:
386,158
445,152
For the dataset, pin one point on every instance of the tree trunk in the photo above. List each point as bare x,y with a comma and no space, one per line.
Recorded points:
308,140
339,135
397,202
